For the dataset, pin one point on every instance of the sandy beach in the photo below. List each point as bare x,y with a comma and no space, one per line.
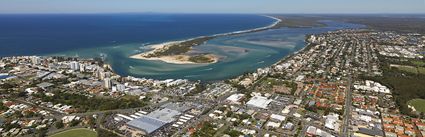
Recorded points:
156,47
175,59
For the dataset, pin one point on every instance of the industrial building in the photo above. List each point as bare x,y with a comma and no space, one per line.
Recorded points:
154,120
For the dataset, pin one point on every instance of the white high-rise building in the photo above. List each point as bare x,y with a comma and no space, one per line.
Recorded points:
82,67
74,65
108,83
35,60
102,75
120,87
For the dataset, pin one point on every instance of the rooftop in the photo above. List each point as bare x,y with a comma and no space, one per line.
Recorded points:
154,120
147,124
259,101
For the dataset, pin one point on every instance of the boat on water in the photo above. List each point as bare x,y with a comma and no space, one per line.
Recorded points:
4,75
208,69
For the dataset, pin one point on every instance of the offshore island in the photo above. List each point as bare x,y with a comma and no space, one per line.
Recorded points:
177,52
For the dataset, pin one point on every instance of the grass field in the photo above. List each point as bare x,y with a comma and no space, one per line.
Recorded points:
421,70
408,69
411,69
418,63
418,104
79,132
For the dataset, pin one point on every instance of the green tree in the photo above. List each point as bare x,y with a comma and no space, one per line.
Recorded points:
59,124
91,121
74,123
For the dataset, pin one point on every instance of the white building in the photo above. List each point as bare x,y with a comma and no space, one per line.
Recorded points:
74,65
279,118
331,122
120,87
235,98
35,60
108,83
82,67
259,102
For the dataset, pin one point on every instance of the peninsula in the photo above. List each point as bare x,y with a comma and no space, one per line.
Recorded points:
176,52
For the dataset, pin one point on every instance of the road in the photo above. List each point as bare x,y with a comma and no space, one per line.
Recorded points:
55,112
347,113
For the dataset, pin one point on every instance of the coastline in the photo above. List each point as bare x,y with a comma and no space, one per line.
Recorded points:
159,52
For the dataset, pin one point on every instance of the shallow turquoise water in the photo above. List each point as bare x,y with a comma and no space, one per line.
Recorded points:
240,54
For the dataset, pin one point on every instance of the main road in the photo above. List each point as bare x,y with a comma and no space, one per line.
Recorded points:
348,102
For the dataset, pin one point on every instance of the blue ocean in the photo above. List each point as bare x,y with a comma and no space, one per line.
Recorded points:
39,34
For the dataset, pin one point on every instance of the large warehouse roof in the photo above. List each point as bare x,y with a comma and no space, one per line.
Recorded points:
154,120
259,102
147,124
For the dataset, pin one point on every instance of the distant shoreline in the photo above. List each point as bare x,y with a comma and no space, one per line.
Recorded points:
174,52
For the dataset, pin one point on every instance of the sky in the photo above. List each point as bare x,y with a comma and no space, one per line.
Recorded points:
212,6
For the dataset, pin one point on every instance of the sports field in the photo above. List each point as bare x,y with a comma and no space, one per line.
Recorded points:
418,104
79,132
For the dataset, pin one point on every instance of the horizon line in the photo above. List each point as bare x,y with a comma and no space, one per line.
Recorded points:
288,13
